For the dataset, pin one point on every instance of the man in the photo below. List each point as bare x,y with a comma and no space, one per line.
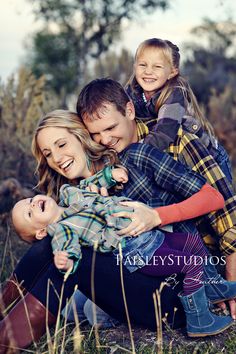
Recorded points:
109,116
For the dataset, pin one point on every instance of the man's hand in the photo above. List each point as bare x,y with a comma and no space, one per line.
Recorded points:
62,261
230,273
143,218
119,175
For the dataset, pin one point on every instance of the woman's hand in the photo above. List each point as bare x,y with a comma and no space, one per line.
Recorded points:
62,261
143,218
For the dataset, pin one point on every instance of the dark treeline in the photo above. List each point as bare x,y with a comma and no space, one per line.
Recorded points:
62,61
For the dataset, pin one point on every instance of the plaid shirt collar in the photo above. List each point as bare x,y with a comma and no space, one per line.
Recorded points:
142,129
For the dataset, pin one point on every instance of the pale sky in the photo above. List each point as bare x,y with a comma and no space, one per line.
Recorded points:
17,23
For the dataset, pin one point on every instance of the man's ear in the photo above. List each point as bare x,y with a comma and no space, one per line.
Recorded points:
41,234
174,72
130,110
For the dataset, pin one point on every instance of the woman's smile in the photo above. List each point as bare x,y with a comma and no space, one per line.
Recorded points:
63,152
66,165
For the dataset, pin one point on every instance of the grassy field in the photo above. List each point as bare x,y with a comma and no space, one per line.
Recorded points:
74,338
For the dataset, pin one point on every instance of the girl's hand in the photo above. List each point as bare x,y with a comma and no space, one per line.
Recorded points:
119,175
62,261
143,218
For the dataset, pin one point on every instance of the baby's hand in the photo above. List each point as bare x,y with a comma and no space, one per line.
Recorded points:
62,261
119,175
93,188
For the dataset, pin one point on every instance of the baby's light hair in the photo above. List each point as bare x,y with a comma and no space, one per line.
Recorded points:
26,236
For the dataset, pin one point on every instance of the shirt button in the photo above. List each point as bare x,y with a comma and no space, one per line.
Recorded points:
195,127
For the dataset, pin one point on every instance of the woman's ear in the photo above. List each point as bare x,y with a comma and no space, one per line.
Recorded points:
174,72
41,234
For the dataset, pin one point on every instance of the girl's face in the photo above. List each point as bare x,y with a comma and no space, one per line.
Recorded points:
64,152
152,70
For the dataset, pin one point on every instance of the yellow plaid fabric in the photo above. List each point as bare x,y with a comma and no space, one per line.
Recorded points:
217,226
142,129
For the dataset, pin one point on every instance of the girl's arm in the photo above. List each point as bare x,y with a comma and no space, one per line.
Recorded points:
169,118
203,202
145,218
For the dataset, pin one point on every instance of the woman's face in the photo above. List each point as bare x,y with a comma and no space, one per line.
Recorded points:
63,152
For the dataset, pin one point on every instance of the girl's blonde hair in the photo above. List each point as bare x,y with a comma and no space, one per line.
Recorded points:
171,53
49,180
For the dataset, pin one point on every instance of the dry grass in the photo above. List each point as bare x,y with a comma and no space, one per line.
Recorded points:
75,338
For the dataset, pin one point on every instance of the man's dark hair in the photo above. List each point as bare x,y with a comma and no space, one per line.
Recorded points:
99,92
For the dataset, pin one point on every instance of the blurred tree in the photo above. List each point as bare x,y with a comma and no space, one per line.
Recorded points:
75,31
211,63
116,66
23,100
52,58
222,114
211,71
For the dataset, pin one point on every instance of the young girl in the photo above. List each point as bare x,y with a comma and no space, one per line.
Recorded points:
159,92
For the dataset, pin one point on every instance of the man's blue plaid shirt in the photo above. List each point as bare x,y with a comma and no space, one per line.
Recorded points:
156,179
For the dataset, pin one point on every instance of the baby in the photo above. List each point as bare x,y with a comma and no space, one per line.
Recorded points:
81,217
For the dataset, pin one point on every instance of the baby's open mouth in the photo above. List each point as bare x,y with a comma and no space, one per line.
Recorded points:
41,205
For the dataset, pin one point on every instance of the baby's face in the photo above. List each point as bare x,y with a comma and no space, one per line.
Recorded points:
32,214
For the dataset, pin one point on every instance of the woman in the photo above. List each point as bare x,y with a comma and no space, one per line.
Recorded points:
57,144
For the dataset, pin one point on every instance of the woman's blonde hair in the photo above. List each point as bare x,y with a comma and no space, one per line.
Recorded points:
171,53
49,180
